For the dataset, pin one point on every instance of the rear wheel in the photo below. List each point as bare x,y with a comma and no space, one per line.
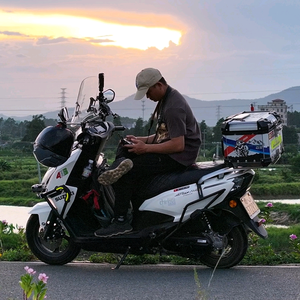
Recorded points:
57,250
233,252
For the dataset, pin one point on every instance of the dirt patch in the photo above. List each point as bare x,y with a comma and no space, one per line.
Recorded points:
281,218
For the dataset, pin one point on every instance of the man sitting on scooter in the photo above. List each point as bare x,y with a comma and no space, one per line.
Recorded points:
173,147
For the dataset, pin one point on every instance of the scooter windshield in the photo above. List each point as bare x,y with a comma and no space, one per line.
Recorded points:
88,88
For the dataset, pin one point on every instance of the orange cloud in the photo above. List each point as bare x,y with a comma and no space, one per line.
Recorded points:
126,30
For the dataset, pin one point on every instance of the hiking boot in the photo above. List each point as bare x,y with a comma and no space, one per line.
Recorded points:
118,168
117,227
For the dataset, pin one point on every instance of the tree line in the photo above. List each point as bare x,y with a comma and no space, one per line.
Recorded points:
22,134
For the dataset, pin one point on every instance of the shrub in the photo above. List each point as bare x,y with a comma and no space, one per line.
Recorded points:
295,164
4,166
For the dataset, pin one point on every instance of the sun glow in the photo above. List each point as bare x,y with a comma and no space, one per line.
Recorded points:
53,26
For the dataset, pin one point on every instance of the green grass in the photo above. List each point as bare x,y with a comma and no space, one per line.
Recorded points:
278,238
17,179
18,192
276,190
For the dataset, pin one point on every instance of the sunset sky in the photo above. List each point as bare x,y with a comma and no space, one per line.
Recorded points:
208,50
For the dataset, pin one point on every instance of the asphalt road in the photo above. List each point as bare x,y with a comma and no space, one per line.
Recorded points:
85,281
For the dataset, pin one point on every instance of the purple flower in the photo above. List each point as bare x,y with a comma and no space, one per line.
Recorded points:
43,277
293,237
29,270
4,222
263,220
270,204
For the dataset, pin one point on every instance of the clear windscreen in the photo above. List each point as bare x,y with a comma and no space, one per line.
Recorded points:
88,88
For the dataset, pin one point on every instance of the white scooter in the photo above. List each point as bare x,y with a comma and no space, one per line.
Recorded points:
204,213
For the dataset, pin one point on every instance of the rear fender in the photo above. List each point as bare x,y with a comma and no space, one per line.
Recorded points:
240,213
43,210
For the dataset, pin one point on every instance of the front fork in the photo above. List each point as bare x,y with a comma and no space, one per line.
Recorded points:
53,229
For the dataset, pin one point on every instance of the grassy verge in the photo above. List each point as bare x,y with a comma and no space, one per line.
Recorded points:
276,190
278,248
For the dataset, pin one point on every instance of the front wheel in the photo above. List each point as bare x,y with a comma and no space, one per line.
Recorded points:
233,252
57,250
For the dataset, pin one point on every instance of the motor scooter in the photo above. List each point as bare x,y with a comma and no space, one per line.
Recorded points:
204,212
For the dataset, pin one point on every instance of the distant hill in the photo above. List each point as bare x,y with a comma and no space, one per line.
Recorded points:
210,111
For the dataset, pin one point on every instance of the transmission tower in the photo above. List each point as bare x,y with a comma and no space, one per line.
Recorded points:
218,112
63,97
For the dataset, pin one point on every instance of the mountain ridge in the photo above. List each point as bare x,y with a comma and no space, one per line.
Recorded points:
209,111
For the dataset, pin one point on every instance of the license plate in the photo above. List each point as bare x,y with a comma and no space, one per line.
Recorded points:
250,205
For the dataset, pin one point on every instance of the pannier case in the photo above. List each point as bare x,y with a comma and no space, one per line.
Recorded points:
252,139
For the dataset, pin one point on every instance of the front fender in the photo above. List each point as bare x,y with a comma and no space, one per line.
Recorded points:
43,210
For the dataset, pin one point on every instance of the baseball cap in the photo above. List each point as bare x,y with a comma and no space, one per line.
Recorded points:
144,80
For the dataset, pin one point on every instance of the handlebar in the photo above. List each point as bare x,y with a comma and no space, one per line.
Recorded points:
101,82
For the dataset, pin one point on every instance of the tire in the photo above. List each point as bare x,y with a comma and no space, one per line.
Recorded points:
57,251
234,252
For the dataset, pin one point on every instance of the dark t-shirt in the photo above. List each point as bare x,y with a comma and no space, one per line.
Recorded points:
176,119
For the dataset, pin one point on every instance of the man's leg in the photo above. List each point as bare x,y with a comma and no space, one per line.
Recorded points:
144,166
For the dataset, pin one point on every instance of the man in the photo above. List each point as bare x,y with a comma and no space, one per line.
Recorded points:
174,146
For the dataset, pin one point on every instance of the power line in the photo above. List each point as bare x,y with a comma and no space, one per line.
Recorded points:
21,109
197,93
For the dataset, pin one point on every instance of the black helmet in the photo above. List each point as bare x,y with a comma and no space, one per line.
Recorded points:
53,145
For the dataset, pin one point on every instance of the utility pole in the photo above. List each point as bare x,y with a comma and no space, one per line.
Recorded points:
204,133
143,108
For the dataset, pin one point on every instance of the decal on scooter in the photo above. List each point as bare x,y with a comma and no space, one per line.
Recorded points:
62,173
181,188
185,193
61,197
65,196
167,202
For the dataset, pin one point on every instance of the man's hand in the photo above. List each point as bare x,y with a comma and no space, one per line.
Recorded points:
139,147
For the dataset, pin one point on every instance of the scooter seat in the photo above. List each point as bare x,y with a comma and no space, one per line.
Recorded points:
164,182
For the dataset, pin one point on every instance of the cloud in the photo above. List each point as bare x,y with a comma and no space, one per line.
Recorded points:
12,33
100,41
47,40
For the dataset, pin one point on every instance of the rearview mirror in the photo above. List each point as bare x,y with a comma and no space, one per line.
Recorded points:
64,115
109,95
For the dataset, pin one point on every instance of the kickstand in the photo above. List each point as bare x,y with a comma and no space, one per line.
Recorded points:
121,260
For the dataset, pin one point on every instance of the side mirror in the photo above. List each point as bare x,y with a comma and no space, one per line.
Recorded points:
109,95
64,115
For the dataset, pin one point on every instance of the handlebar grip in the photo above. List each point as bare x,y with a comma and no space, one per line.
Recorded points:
101,82
119,128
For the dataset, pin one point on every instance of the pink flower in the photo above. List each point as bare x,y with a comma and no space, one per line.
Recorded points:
270,204
43,277
263,220
293,237
29,270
